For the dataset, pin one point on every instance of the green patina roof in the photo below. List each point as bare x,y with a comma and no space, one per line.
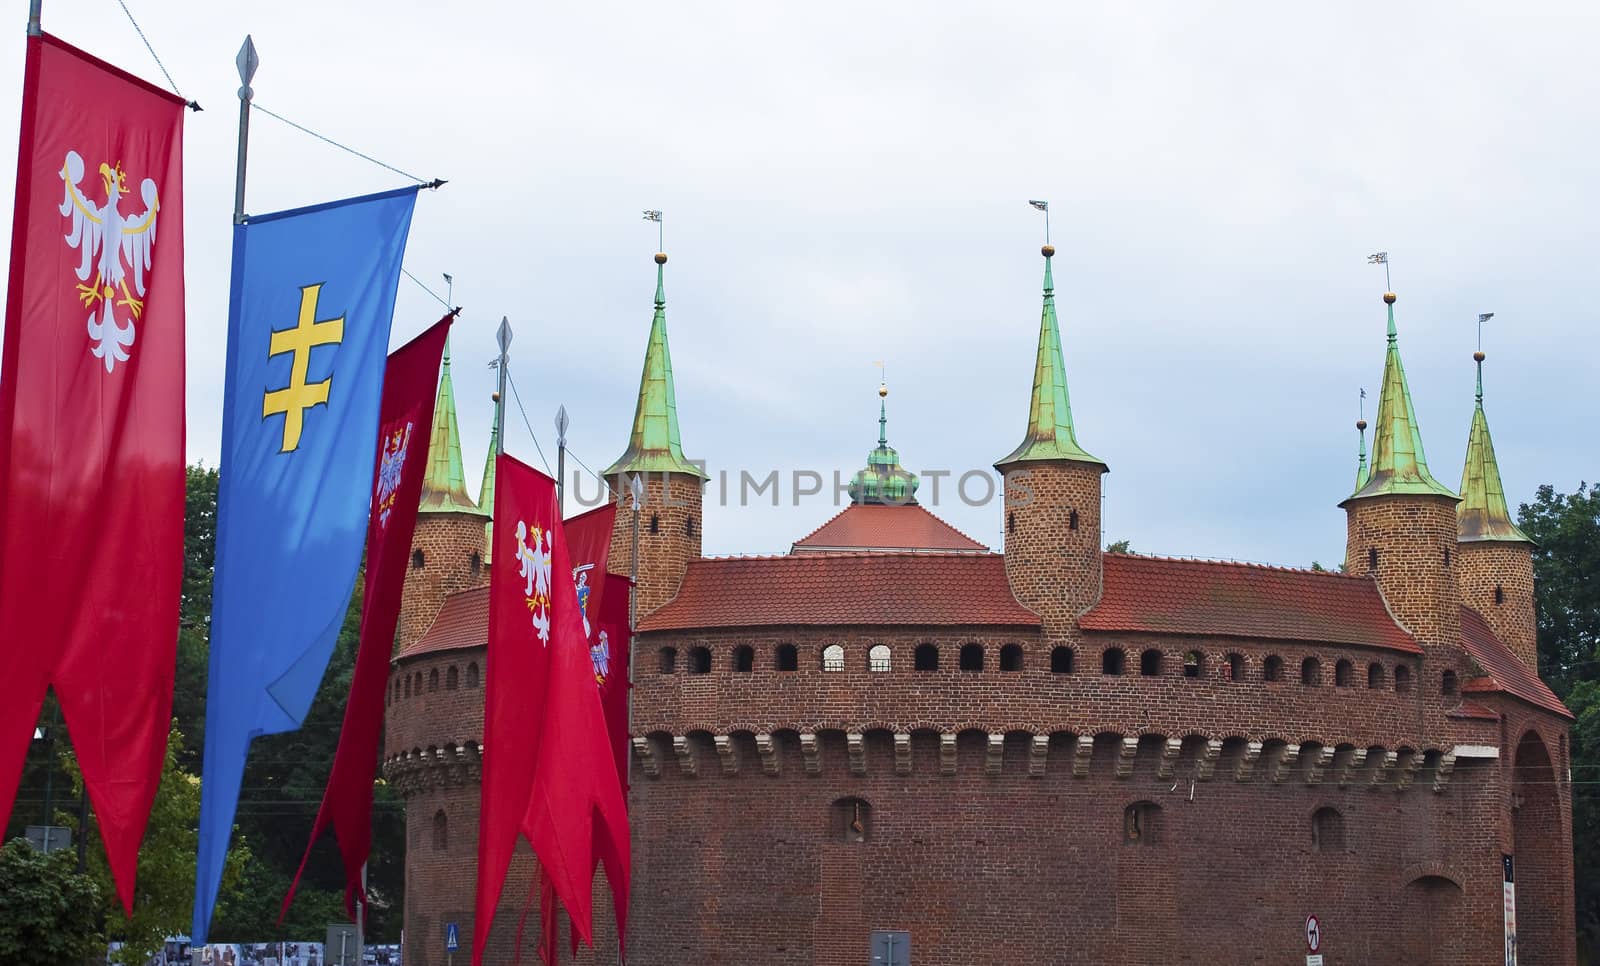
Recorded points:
883,480
1399,466
654,445
1361,462
486,488
444,489
1050,434
1483,514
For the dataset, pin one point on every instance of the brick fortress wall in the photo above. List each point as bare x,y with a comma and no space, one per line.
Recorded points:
1496,580
447,555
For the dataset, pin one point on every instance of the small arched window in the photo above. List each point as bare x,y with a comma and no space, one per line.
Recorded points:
688,526
472,674
833,658
1193,664
1327,830
1402,678
441,831
417,560
1112,660
416,684
926,657
408,685
1011,522
1499,594
1311,672
852,820
1372,559
1447,683
1011,657
972,657
655,523
1072,520
1447,555
433,680
744,659
1233,668
1343,673
879,658
699,660
786,658
1272,668
1061,660
668,658
1374,676
1150,663
474,563
452,679
1141,823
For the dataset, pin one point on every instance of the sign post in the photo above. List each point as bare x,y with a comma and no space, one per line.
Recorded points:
452,942
1313,941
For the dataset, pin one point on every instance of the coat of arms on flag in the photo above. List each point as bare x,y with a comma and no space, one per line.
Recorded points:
106,236
391,467
600,657
535,571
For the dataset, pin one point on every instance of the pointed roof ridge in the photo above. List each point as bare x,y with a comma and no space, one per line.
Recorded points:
1050,434
1483,514
654,445
1399,465
444,488
886,528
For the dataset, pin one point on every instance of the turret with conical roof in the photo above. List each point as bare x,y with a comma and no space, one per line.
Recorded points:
669,524
448,547
1052,493
883,480
486,487
1495,572
1402,521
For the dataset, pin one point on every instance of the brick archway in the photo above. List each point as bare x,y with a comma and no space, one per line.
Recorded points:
1540,866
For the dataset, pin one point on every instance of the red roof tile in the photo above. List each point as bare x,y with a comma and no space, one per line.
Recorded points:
462,621
881,527
1503,671
1165,596
843,588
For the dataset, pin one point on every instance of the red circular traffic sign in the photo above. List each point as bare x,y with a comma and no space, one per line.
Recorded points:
1313,934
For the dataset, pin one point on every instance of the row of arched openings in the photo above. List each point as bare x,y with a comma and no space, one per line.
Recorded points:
411,685
1113,661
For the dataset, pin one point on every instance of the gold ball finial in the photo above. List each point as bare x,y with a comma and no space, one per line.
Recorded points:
661,258
494,397
883,389
1361,424
1047,251
1478,356
1390,297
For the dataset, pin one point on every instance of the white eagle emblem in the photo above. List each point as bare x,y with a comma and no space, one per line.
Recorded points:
390,470
534,563
105,237
600,657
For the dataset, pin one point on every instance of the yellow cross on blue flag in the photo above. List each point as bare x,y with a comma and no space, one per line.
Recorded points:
308,333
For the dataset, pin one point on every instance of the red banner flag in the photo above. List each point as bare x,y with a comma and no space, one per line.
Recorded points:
589,541
405,414
547,772
91,433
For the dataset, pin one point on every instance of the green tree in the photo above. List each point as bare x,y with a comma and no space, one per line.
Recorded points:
49,914
1566,529
1119,546
164,896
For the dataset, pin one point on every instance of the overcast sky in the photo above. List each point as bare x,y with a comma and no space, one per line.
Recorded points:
847,182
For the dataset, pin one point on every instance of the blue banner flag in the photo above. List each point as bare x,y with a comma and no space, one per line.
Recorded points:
308,332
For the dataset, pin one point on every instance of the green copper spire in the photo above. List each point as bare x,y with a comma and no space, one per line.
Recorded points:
654,446
1050,434
883,480
444,488
1398,463
1483,514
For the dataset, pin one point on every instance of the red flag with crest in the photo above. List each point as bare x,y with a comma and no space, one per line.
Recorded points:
548,772
91,433
404,417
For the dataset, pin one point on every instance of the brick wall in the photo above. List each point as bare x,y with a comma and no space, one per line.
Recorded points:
669,536
451,548
1486,566
1415,537
1053,567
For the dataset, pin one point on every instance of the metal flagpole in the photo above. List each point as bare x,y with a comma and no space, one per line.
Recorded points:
247,62
561,458
34,28
361,919
503,335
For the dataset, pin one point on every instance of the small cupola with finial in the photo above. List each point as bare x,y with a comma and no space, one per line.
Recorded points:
883,479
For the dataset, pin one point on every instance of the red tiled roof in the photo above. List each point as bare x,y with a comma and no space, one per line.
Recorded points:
462,621
843,588
881,527
1503,671
1165,596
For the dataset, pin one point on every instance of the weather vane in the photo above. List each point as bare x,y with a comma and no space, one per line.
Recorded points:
1382,258
1361,410
654,214
1043,206
1482,318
